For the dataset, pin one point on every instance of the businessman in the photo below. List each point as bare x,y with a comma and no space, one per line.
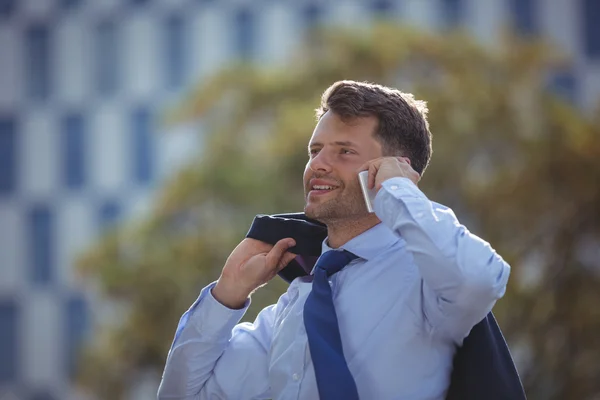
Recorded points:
391,298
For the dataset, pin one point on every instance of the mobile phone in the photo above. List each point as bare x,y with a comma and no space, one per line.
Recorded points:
368,194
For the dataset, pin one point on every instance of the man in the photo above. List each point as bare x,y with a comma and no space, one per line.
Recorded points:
415,282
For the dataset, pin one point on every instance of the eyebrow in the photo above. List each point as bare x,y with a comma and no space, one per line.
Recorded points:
338,143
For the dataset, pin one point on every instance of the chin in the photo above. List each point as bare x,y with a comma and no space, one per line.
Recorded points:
322,214
310,211
313,211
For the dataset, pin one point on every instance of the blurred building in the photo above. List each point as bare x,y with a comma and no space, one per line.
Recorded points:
82,87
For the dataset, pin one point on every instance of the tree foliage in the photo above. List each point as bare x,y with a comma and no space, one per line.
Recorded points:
520,167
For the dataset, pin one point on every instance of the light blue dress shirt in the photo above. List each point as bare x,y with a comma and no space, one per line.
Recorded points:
421,282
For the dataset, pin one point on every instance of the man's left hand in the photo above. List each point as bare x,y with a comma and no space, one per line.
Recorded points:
384,168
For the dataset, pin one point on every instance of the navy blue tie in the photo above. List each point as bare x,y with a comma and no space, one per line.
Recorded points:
334,379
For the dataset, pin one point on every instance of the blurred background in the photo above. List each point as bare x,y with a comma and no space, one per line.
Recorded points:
138,139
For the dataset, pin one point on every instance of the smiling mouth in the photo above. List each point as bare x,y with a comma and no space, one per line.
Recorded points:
321,189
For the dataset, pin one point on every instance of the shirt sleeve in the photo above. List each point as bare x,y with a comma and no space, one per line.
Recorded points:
463,276
213,356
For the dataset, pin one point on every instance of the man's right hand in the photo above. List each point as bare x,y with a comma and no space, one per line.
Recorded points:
250,265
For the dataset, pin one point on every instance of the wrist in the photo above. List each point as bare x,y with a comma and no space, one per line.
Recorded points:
231,296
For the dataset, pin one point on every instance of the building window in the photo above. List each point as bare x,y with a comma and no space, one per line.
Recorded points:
175,54
245,33
382,8
107,58
40,239
42,396
9,320
109,214
564,84
73,146
142,145
312,13
37,62
76,325
70,4
8,156
524,14
591,27
452,13
7,8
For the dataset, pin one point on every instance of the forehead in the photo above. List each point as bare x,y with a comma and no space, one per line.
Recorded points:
332,128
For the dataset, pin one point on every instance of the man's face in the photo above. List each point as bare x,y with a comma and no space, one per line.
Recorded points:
336,150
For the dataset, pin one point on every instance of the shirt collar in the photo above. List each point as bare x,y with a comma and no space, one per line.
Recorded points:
368,244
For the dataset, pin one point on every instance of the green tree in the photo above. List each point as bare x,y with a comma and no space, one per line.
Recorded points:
520,167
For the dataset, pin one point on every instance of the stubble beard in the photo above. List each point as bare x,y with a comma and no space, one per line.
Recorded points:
347,207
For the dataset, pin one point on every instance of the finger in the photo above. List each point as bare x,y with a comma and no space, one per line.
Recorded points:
404,160
416,176
367,165
258,245
285,260
364,167
275,255
372,174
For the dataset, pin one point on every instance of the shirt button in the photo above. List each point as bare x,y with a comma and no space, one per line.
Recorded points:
295,377
394,187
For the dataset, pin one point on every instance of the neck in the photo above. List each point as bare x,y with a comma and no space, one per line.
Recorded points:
340,232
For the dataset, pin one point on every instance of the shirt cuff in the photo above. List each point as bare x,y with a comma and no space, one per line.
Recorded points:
402,187
211,318
398,188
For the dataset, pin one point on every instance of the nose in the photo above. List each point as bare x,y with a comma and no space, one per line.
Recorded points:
320,162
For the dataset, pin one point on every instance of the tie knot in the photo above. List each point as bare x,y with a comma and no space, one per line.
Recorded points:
333,261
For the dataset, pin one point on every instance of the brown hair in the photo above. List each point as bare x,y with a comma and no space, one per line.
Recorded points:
402,130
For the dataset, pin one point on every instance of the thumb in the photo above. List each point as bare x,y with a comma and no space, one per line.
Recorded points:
275,255
285,260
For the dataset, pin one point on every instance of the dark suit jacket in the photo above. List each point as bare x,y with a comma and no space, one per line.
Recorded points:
483,367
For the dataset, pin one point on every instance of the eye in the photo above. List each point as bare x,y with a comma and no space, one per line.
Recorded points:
313,152
347,151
